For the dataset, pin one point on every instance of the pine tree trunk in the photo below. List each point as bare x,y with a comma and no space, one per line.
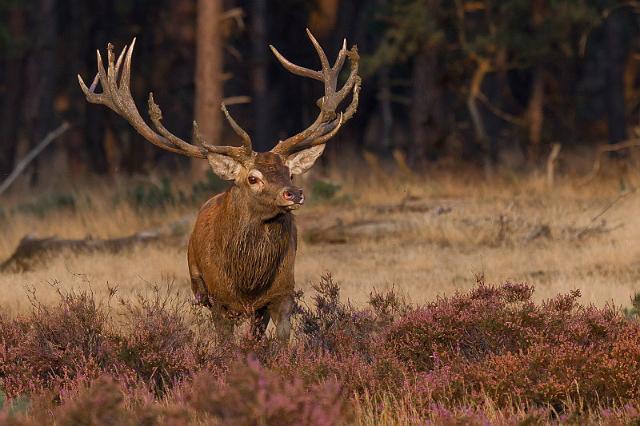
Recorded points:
95,118
481,140
259,76
427,114
615,43
10,94
41,77
535,113
535,108
208,75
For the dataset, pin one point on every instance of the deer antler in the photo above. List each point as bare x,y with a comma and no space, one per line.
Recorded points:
116,95
328,122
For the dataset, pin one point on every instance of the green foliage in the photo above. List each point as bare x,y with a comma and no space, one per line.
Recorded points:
15,406
211,184
407,25
324,191
47,203
10,44
152,195
634,310
560,23
158,195
142,196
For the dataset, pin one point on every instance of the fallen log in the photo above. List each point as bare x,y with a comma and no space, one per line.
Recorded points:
341,233
32,249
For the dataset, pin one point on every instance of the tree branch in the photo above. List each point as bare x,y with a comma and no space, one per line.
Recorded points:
22,164
602,149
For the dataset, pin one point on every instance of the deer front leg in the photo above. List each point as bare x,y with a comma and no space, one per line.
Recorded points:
200,291
259,322
280,312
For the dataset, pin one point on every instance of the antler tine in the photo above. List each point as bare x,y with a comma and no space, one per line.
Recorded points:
119,61
246,139
354,58
355,99
116,95
156,118
326,124
296,69
239,153
342,55
102,73
125,78
324,138
112,78
329,130
323,56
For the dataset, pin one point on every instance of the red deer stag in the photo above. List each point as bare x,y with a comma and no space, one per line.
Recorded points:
242,249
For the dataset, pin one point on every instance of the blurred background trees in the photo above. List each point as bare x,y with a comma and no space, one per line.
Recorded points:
489,82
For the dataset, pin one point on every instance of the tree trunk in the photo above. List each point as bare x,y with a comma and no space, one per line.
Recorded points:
208,75
259,76
494,92
386,112
323,18
535,113
353,23
479,131
40,77
10,92
616,50
95,117
427,115
535,109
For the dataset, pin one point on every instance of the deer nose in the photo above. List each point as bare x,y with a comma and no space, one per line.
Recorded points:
293,194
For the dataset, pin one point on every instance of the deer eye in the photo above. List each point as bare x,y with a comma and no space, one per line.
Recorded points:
253,180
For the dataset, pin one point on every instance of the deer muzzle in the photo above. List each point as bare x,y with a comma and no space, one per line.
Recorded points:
291,198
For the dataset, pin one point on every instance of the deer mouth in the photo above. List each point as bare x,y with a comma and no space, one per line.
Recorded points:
294,205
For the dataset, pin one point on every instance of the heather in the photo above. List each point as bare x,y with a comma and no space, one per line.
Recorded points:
487,356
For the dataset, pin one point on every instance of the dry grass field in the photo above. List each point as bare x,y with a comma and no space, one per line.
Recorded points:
424,236
407,329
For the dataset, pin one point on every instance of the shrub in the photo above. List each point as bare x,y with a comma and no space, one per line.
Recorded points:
634,310
496,343
488,320
254,395
488,356
554,374
160,346
151,195
55,344
47,203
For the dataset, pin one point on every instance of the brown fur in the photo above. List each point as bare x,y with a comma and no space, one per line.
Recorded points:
242,249
243,246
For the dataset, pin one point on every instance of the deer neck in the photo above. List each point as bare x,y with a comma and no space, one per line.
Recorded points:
243,211
255,245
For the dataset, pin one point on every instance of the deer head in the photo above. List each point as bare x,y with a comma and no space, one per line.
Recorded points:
264,177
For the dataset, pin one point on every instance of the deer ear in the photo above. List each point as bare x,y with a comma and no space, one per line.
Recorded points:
225,167
302,161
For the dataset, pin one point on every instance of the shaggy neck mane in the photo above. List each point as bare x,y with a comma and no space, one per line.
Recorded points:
254,247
